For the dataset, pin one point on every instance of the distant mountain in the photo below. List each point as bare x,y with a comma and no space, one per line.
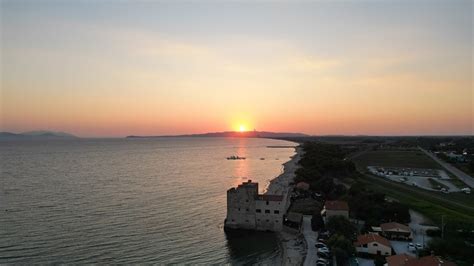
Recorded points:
43,134
235,134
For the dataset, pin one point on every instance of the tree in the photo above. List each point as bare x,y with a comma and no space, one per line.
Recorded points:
379,260
340,225
317,221
342,248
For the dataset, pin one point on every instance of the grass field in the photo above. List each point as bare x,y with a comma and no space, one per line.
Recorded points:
455,207
387,158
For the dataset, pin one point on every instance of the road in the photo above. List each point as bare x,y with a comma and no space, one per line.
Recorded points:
460,174
311,239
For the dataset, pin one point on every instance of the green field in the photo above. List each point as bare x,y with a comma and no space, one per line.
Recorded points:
456,206
388,158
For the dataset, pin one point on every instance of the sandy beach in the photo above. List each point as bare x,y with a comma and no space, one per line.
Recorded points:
280,184
292,244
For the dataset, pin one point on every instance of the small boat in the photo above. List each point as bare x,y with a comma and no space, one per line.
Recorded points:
234,157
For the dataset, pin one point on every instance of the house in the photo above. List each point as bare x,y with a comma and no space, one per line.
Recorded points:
405,260
395,231
246,209
430,261
373,244
456,157
398,260
335,208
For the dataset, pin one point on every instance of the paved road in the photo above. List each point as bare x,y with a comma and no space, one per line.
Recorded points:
460,174
311,239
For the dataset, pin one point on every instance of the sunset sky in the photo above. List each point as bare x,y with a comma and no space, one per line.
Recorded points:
115,68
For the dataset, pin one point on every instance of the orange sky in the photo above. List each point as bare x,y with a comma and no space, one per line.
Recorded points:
164,68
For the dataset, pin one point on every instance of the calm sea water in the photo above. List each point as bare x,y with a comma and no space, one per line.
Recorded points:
130,200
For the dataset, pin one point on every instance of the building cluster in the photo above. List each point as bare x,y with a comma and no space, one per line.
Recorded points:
378,242
247,209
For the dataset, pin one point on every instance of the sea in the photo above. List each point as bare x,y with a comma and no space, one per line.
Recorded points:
160,200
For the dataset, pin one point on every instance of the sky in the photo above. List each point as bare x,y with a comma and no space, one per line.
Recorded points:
100,68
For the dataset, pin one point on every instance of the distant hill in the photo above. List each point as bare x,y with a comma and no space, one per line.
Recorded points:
43,134
235,134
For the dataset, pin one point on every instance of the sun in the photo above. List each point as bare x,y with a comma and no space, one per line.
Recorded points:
242,128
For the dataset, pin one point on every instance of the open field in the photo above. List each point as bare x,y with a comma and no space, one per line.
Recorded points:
465,168
390,158
455,207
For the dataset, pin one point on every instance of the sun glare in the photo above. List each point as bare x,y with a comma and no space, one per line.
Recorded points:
242,128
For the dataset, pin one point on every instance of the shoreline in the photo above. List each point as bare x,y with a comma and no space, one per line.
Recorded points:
291,246
279,184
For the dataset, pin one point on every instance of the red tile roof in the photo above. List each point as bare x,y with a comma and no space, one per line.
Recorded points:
398,260
369,238
394,227
336,205
429,261
302,186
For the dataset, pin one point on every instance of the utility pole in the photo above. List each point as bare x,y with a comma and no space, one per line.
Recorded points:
442,226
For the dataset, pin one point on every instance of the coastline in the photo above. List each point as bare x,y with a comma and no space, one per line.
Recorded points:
281,183
292,245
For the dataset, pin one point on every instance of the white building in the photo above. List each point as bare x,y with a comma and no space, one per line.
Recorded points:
335,208
246,209
373,244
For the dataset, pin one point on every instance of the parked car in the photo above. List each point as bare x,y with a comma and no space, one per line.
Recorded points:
320,264
418,246
324,255
320,245
411,247
322,240
325,250
324,234
321,260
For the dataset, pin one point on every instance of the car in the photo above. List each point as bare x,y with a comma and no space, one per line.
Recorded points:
411,247
418,246
323,233
325,250
321,260
322,240
320,245
323,255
